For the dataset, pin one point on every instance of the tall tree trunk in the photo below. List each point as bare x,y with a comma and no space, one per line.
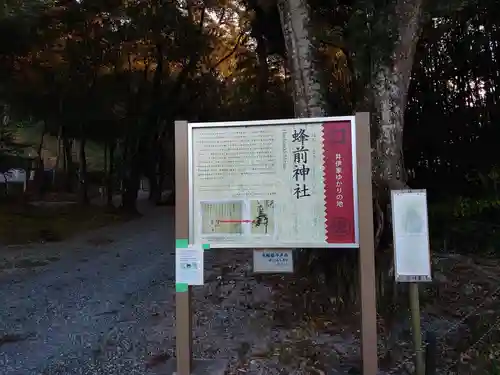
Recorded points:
263,72
390,85
83,197
391,82
68,162
308,94
131,183
41,142
58,158
161,168
40,177
131,175
105,154
110,174
307,91
152,174
151,167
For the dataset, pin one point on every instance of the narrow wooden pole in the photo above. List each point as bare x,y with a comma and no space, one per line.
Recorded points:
366,246
417,334
183,318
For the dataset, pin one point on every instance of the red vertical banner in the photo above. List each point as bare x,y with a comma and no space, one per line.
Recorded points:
338,180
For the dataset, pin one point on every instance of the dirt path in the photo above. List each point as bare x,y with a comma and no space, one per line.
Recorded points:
63,317
104,304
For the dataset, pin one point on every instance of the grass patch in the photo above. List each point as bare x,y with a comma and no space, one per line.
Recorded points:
21,224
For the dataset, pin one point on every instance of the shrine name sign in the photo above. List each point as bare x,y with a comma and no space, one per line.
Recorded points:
273,184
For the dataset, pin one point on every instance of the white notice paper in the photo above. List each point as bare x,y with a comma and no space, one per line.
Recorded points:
189,265
412,261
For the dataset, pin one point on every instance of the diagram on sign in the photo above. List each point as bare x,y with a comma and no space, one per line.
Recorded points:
250,217
262,214
222,217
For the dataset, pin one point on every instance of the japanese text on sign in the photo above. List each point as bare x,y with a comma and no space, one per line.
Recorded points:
300,165
339,198
273,260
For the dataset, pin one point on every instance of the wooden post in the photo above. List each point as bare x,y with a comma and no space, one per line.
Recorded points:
182,299
417,334
366,246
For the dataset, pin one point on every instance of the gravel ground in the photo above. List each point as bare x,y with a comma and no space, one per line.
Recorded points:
104,304
89,309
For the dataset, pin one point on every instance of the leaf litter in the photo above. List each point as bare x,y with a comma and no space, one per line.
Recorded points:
279,324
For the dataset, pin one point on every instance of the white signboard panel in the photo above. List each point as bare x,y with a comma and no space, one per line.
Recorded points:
274,184
273,261
412,261
189,265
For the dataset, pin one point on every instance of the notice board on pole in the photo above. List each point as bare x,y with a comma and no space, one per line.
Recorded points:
412,260
274,184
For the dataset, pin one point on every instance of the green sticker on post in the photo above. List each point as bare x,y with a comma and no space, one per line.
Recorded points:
182,243
189,264
181,287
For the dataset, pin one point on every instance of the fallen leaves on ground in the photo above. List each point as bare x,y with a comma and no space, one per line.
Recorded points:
292,327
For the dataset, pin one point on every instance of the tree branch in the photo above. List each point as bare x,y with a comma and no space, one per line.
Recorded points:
241,39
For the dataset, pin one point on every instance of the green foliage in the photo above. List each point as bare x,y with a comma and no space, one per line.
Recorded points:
116,74
495,367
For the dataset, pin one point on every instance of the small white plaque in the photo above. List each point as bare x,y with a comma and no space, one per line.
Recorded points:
273,261
412,261
189,265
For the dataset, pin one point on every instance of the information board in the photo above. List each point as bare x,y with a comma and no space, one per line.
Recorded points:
273,184
412,261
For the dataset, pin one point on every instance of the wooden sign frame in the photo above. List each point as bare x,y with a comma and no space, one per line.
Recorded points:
364,212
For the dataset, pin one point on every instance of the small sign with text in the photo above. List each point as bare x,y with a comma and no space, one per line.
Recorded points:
412,261
273,261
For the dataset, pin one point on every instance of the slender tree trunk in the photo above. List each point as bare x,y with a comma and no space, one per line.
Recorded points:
68,162
263,72
131,185
64,159
307,91
110,174
131,176
58,156
83,197
42,139
105,154
41,180
152,172
161,169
